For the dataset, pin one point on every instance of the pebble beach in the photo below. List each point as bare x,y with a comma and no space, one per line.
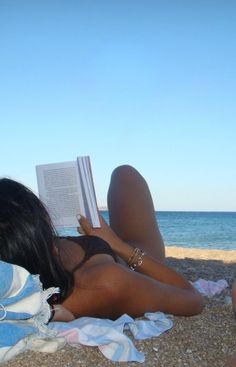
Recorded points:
205,340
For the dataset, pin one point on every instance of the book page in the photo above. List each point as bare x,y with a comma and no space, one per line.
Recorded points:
86,179
60,190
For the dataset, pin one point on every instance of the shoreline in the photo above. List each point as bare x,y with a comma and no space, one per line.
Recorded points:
198,253
205,340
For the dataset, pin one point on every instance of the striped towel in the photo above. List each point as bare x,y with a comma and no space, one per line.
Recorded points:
24,310
109,335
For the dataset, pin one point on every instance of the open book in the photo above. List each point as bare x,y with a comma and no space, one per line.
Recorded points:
67,189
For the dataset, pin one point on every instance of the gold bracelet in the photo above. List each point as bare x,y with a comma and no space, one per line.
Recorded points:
136,258
133,256
138,262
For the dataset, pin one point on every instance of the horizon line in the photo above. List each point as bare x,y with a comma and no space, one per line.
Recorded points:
105,209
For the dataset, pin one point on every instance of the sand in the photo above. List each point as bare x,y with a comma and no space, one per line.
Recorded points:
205,340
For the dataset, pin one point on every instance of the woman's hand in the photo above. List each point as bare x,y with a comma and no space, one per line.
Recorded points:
120,247
104,232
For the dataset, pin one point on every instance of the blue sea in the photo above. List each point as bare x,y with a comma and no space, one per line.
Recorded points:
207,230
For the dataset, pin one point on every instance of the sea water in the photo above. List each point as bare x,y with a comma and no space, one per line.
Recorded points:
207,230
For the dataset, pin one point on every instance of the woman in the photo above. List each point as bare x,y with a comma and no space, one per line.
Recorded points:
109,271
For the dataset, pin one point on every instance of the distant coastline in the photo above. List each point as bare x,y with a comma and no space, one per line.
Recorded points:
105,209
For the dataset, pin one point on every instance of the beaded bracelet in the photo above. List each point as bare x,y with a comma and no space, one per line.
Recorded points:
136,258
133,256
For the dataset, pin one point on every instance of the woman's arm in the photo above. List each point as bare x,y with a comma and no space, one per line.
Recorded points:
109,289
150,266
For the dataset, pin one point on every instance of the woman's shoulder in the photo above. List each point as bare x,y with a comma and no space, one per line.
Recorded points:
96,288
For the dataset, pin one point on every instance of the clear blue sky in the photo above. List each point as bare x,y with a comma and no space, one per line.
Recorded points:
148,83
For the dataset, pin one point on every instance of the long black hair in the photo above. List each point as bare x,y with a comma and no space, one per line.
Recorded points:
27,236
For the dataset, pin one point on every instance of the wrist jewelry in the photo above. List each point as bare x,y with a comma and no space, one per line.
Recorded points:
136,258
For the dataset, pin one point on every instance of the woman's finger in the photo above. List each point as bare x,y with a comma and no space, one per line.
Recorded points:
80,230
84,225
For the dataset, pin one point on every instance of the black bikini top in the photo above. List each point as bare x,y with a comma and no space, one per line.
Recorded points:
92,245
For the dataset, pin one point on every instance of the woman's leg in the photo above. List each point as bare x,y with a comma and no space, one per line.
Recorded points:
131,211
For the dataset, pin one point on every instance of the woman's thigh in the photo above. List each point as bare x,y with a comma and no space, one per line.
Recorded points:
131,211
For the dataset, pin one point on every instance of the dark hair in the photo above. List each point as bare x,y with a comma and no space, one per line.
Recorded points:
27,236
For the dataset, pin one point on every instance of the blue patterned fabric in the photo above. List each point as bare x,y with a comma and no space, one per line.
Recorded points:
24,310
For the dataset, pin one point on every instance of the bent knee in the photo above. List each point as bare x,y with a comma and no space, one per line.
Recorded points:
124,173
